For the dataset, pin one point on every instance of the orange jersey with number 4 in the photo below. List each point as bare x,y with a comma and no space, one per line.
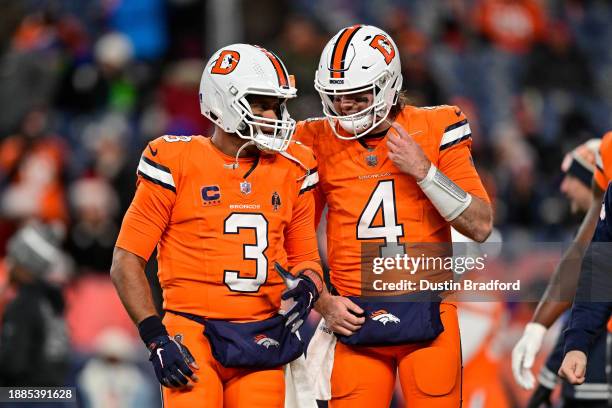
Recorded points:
370,200
218,229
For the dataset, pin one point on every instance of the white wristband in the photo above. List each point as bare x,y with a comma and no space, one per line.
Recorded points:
449,199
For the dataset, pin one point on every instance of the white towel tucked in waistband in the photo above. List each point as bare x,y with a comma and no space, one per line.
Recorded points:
320,361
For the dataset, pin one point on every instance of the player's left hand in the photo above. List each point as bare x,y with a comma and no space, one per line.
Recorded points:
573,368
405,153
525,352
303,291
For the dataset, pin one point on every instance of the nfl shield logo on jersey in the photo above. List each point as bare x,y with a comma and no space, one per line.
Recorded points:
245,187
372,160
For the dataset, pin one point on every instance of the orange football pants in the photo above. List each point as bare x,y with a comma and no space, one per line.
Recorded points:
221,387
429,372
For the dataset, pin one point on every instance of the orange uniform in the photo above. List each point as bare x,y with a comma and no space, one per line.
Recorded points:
218,231
357,183
370,200
603,168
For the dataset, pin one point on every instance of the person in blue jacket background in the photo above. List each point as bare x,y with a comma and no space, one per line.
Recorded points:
593,302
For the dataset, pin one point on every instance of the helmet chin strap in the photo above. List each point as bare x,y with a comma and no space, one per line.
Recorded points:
251,142
286,155
235,164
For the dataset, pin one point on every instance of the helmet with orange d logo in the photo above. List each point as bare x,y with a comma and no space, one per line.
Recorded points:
235,72
358,59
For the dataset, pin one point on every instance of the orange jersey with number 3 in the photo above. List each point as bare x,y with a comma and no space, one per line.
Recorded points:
370,200
218,229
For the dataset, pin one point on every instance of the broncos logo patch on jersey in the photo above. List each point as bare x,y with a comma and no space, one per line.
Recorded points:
384,317
266,341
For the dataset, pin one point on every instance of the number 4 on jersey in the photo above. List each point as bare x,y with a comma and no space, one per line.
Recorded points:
383,198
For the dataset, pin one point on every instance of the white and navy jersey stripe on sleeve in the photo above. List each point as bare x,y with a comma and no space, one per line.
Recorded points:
156,173
455,133
310,181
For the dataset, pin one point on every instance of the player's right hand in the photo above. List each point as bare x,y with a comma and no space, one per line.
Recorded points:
340,314
172,361
573,368
524,353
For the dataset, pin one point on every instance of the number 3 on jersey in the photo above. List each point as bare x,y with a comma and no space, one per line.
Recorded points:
233,224
383,198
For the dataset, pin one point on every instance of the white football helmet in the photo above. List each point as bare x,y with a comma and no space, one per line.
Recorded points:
239,70
357,59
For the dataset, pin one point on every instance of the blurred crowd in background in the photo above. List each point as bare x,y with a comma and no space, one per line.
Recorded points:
85,84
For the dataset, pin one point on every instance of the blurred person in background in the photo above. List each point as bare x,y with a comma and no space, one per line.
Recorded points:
591,309
101,81
558,49
109,159
32,171
511,25
32,163
562,94
25,82
413,46
519,200
114,56
90,241
578,167
582,169
91,237
300,43
181,116
34,344
111,379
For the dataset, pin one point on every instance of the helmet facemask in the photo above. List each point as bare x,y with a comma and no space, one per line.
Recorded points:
358,124
267,134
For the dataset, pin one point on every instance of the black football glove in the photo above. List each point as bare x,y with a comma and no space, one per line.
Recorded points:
171,359
303,291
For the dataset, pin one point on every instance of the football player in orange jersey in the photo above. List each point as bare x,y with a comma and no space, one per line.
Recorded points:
394,174
225,212
562,284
